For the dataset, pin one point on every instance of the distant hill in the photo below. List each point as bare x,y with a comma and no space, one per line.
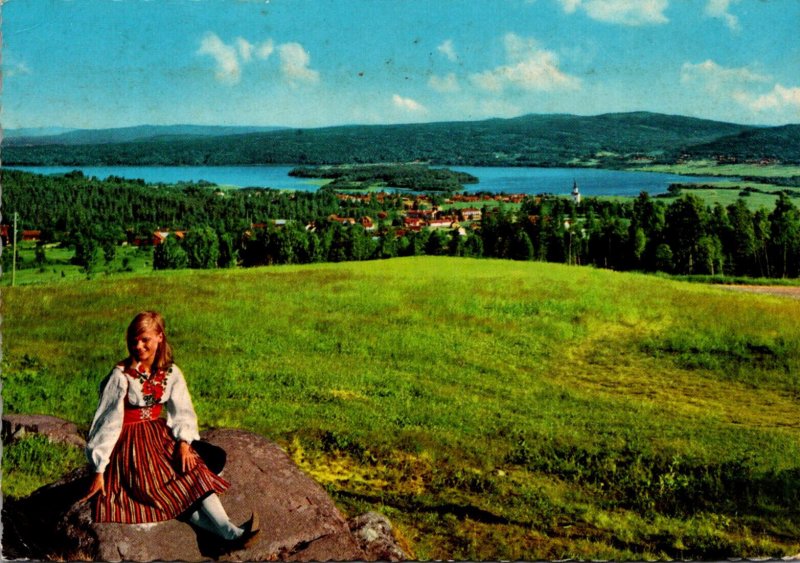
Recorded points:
775,143
33,132
609,140
125,134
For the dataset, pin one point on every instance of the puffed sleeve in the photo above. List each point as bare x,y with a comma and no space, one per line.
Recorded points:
107,423
181,418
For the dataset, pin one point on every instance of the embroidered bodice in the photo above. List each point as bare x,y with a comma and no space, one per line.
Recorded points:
148,389
129,388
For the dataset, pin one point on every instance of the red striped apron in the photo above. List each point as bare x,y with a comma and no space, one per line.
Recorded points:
143,480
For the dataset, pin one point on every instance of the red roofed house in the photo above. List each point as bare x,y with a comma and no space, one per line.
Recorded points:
411,222
442,223
161,236
470,214
343,220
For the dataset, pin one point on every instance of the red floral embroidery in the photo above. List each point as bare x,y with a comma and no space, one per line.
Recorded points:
153,385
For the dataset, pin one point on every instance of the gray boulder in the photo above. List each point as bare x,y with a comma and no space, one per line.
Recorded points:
16,426
373,532
299,521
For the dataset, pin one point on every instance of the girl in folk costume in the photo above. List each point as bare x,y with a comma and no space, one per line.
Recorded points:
145,467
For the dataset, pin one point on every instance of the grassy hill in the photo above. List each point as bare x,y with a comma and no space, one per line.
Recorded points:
492,409
532,140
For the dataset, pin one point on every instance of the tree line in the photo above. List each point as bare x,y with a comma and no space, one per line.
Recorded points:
678,235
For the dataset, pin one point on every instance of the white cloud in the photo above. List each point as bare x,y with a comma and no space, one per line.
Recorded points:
625,12
228,69
779,99
491,80
570,6
518,48
719,9
408,104
230,59
444,84
265,49
743,86
715,78
245,49
294,64
448,50
530,68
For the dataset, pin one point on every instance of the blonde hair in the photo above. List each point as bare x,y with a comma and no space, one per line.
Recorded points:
144,321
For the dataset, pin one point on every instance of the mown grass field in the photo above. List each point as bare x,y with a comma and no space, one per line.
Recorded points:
492,409
726,193
711,168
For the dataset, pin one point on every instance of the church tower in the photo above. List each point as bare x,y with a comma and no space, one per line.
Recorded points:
576,194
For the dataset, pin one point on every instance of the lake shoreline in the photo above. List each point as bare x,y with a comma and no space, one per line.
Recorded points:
592,182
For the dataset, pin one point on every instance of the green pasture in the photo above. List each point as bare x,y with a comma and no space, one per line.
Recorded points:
491,409
58,266
711,168
726,193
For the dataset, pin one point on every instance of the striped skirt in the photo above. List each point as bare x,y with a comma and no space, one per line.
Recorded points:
143,479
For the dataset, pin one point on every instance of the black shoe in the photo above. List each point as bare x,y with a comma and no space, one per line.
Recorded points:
248,538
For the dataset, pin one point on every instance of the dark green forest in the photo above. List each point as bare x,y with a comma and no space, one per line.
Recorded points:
610,140
416,177
773,143
223,228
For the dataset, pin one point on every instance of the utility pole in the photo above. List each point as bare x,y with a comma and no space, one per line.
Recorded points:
14,254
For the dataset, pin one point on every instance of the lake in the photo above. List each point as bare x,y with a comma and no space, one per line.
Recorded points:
591,181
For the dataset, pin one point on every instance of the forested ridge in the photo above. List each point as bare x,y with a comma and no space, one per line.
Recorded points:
25,137
774,143
609,140
247,227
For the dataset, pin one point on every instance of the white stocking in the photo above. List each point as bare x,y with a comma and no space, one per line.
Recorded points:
211,516
199,519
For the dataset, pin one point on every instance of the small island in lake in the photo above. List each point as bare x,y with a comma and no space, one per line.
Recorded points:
414,176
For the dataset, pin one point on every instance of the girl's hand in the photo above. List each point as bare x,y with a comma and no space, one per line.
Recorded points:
98,486
187,456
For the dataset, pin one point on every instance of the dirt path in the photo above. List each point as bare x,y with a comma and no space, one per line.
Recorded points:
782,290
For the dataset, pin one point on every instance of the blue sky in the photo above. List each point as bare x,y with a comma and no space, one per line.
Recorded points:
313,63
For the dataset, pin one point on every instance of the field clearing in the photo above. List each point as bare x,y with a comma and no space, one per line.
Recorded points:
59,269
726,195
711,168
492,409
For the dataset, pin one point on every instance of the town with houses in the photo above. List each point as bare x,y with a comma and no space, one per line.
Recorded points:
419,212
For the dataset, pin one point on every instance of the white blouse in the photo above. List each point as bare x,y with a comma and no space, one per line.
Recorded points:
107,423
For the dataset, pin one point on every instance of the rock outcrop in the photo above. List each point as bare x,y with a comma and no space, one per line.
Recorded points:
299,521
373,532
16,426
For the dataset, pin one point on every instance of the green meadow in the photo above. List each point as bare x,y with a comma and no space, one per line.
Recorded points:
711,168
729,188
57,266
726,193
491,409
